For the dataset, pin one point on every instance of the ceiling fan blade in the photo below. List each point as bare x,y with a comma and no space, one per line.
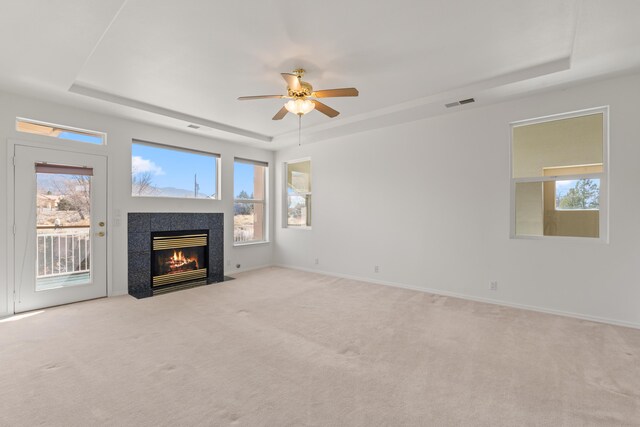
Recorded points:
280,114
332,93
246,98
325,109
292,81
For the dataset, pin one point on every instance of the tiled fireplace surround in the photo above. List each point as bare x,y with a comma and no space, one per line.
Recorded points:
141,225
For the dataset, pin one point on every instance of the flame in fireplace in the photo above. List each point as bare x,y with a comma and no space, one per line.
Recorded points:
177,257
178,260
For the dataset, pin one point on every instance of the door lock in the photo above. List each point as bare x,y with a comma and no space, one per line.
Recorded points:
101,223
101,234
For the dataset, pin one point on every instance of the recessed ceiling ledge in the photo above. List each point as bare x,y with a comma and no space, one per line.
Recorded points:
86,90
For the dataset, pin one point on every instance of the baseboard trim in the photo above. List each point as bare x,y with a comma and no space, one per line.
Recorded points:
470,297
244,270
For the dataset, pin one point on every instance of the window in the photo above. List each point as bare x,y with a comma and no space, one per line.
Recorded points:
558,175
163,171
62,132
298,209
249,204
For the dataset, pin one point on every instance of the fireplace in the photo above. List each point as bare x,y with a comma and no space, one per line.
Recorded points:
179,256
198,236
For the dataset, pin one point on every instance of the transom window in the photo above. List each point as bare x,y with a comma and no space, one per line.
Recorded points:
61,132
558,175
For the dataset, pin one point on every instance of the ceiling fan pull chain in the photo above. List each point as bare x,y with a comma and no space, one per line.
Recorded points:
299,129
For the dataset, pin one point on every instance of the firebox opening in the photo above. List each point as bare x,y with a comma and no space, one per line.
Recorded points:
179,256
170,261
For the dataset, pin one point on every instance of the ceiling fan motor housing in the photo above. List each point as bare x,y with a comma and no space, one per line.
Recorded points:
305,90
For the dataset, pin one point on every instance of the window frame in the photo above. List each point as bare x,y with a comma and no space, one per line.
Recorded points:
603,176
264,202
216,157
285,198
63,128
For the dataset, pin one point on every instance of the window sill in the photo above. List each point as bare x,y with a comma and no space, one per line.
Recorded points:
138,196
261,242
293,227
591,240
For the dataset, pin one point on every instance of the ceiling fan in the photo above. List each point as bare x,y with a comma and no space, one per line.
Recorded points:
302,96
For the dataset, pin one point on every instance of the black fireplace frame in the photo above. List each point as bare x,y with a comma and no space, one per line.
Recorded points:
140,225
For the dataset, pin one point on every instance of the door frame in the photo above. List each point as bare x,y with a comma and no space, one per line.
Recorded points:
50,144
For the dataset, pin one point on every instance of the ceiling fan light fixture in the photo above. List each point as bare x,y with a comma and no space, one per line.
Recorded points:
299,106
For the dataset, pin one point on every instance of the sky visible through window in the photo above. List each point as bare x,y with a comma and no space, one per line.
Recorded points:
242,178
562,187
175,169
80,137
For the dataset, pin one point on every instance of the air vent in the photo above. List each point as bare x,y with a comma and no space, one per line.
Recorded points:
193,126
461,102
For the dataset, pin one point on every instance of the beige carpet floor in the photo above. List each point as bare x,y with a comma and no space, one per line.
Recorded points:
278,347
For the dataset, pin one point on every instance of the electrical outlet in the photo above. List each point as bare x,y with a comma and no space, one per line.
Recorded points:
376,269
494,286
317,261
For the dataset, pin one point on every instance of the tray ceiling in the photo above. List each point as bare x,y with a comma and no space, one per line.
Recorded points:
172,63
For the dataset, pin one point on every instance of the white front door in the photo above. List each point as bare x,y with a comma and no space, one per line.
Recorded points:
61,224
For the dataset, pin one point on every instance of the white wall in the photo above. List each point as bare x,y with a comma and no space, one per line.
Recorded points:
428,202
120,133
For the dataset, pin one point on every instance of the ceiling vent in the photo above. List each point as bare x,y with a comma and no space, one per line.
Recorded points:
193,126
461,102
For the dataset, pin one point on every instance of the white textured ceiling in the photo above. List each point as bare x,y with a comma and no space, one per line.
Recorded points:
176,62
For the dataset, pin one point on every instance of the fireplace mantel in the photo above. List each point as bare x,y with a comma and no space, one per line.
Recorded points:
139,229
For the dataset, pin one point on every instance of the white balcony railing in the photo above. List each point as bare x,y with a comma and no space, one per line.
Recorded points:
243,233
63,251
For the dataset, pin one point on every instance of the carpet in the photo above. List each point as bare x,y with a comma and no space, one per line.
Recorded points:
279,347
